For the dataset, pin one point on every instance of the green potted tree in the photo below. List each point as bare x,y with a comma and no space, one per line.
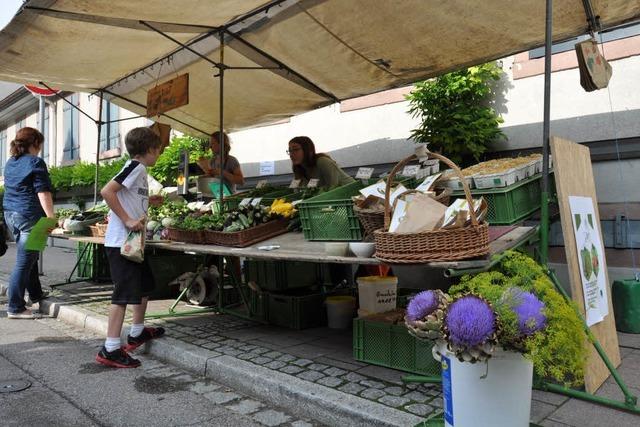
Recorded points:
492,331
456,115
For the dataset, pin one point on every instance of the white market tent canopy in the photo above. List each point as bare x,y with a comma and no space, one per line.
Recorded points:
316,52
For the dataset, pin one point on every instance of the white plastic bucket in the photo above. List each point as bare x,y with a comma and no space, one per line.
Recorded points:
377,294
340,311
496,393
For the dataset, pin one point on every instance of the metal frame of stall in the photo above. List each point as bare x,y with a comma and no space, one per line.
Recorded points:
630,403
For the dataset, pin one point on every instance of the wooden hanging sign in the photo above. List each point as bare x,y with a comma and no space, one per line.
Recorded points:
167,96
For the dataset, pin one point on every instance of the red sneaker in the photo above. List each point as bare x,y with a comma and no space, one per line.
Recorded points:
116,358
147,335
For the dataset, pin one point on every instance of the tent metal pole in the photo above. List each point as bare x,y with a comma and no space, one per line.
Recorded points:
41,107
544,205
221,148
97,172
137,104
221,134
57,95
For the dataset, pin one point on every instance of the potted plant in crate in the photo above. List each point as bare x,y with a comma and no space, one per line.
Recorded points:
492,331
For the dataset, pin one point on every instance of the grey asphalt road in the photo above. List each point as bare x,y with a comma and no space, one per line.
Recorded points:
70,389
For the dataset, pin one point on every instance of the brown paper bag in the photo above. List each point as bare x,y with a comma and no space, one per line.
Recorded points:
422,213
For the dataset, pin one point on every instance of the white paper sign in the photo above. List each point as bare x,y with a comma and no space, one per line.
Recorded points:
428,183
395,193
591,258
313,182
410,170
364,173
256,201
376,190
295,183
267,167
261,183
245,202
423,173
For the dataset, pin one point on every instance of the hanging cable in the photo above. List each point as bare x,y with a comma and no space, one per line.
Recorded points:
624,193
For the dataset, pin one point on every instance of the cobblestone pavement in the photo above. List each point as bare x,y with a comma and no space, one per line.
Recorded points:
324,356
159,379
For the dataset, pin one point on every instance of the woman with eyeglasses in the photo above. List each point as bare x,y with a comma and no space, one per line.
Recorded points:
308,165
232,173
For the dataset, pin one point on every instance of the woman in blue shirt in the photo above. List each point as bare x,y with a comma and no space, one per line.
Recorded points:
27,198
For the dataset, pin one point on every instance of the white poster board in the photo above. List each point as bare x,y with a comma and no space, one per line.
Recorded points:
590,255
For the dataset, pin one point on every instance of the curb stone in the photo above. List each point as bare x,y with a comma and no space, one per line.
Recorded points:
312,400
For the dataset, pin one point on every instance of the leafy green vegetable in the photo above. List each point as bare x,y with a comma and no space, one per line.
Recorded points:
166,168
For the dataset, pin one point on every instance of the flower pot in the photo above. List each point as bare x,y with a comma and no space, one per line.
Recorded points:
495,393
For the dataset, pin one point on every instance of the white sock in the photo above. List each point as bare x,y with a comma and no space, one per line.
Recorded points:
136,329
112,344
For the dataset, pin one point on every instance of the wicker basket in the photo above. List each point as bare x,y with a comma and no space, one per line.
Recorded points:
248,237
373,220
186,236
438,245
98,230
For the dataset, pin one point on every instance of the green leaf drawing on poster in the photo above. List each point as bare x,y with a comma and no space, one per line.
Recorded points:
595,260
590,219
587,266
578,221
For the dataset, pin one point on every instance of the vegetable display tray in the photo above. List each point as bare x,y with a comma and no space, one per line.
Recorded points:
186,236
392,346
248,237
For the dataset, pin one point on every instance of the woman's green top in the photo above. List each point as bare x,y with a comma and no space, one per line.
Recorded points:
328,173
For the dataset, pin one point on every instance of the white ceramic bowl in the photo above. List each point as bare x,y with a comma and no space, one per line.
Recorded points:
362,249
336,248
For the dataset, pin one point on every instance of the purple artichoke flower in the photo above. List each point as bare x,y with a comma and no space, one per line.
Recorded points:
422,305
470,321
529,310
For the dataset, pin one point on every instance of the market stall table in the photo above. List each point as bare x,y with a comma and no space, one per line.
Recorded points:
89,242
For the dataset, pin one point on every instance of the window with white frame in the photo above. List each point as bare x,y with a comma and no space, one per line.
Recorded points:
110,131
71,126
3,150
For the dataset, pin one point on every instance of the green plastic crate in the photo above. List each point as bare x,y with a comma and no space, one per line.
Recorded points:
93,264
330,215
297,310
514,203
392,346
281,275
258,304
166,266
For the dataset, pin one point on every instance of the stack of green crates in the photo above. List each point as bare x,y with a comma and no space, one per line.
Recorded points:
514,203
283,275
289,294
93,263
392,346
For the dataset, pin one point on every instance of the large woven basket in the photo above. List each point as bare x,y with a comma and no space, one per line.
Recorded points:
438,245
248,237
373,220
186,236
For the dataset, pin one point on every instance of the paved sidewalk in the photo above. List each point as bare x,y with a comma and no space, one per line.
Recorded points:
312,372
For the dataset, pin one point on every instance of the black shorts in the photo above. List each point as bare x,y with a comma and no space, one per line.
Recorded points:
131,280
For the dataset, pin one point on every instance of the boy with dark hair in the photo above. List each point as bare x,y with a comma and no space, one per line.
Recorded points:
127,196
